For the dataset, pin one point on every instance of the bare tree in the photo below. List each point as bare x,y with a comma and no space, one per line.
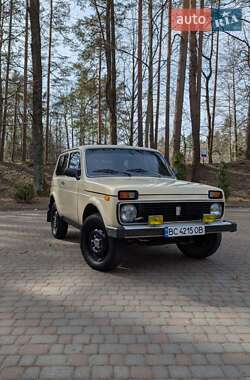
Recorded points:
139,66
157,114
37,126
211,139
195,67
111,69
235,112
48,84
5,108
133,79
149,130
248,129
25,85
100,97
167,111
1,85
15,124
180,87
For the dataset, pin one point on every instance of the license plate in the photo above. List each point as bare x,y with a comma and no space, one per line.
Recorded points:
180,230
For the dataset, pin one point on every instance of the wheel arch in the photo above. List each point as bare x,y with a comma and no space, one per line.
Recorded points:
90,209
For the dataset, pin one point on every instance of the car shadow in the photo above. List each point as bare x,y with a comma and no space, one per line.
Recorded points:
211,282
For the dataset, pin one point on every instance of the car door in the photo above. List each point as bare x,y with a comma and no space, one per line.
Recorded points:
71,188
59,182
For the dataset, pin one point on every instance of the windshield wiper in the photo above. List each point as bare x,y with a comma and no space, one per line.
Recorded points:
144,171
111,171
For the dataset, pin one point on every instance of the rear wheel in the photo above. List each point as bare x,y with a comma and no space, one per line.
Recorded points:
99,251
59,227
201,247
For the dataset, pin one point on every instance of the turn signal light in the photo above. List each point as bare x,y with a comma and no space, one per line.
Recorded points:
128,195
215,194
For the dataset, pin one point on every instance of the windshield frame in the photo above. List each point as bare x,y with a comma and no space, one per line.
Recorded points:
155,152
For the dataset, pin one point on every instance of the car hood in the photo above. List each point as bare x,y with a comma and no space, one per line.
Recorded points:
146,186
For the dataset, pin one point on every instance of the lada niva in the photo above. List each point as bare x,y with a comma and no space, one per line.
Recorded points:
119,194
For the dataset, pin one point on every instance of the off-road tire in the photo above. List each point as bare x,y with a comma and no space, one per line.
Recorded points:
99,251
59,227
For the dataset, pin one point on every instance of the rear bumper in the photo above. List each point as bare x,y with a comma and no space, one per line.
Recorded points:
145,231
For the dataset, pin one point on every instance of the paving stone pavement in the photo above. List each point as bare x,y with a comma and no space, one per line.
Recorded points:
159,316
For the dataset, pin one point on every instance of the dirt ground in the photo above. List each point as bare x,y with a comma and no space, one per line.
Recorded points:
11,173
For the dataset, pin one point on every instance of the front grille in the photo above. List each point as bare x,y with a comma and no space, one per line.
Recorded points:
188,211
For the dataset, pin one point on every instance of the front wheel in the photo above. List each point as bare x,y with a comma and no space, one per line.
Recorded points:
99,251
201,247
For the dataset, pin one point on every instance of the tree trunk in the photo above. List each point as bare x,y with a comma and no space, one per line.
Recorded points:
214,98
113,76
194,94
167,111
66,129
111,69
48,84
159,79
149,130
230,124
139,66
5,109
198,85
100,98
207,89
14,127
82,126
109,40
1,85
37,126
235,115
25,85
72,125
248,130
180,88
132,112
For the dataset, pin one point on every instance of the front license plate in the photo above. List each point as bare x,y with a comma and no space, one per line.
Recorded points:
180,230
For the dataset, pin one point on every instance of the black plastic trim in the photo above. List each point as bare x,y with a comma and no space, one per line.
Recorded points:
131,232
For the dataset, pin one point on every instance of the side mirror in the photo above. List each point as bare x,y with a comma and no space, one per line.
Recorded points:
73,173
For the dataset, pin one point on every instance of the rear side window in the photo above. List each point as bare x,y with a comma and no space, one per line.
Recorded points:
62,164
75,161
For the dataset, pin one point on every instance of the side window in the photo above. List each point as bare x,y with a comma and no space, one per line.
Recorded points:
62,164
75,161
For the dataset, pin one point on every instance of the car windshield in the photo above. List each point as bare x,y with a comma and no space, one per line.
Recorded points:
115,162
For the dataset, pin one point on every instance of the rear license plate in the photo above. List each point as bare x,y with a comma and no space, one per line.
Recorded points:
180,230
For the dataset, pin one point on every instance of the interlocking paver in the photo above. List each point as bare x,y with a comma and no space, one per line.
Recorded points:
162,317
31,373
56,373
11,373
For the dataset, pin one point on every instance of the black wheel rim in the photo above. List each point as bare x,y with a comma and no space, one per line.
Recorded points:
54,222
97,245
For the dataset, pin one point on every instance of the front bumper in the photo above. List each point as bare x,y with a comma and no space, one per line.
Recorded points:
149,232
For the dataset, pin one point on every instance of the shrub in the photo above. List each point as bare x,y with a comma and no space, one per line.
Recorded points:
223,179
179,166
24,192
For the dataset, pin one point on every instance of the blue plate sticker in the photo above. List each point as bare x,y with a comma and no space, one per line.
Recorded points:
166,232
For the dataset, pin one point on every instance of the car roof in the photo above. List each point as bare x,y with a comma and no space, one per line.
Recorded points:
85,147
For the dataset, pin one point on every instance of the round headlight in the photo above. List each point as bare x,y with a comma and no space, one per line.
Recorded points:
128,213
216,209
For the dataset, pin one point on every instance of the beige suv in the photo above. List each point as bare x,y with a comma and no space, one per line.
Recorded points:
116,194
